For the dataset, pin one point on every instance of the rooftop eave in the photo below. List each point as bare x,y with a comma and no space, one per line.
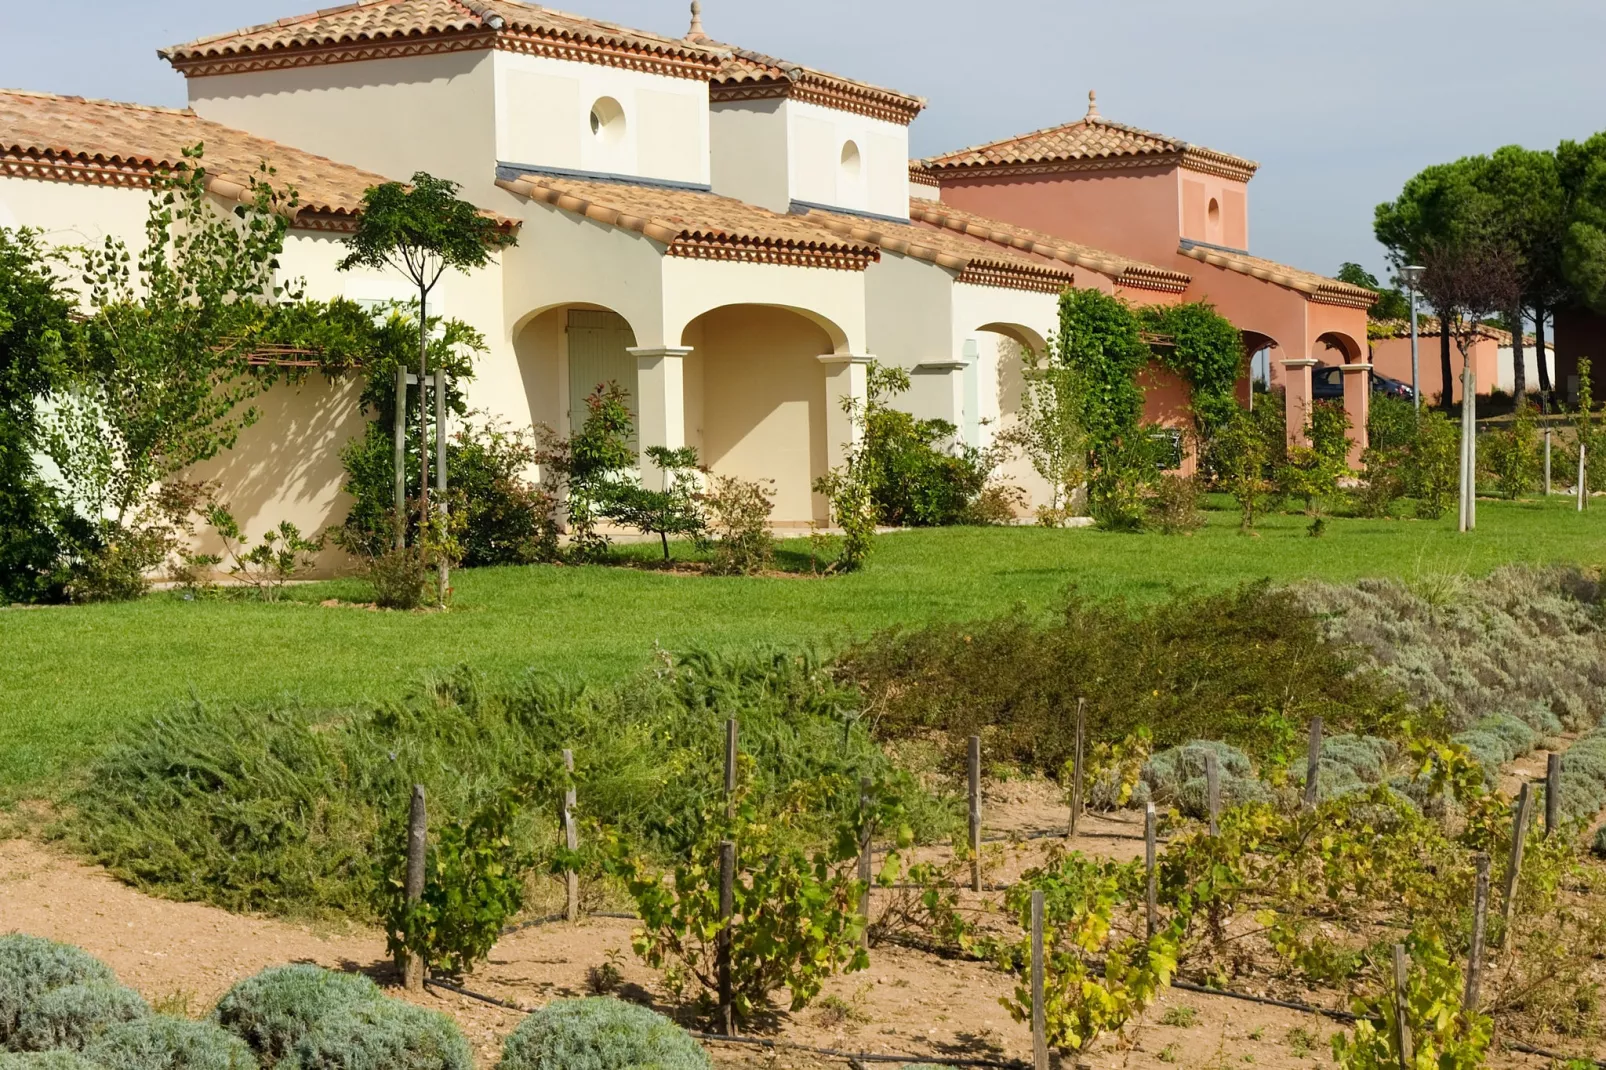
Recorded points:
696,243
1318,291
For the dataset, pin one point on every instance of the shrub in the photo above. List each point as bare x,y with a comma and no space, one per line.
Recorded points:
509,521
1434,474
386,1035
1514,454
161,1042
1349,763
1524,641
46,1060
474,882
273,1010
282,810
31,966
1174,506
1119,480
74,1015
583,470
738,519
796,919
400,578
920,474
1176,777
600,1034
1198,666
677,509
269,565
1242,454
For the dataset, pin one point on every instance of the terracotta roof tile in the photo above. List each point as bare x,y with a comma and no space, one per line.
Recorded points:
1120,269
364,30
696,224
977,261
73,139
1090,140
745,74
1318,288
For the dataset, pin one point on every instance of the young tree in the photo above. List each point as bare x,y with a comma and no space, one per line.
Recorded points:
159,375
423,230
1470,281
1049,429
674,510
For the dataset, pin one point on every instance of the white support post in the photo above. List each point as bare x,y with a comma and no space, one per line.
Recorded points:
661,404
847,377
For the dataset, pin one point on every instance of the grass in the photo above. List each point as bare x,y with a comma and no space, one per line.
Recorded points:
72,676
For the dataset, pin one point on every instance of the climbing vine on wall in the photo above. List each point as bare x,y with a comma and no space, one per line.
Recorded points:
1100,338
1207,351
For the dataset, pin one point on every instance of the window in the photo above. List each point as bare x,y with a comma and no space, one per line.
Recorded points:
1215,212
608,121
852,163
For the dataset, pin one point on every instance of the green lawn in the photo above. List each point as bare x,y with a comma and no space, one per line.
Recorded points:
71,677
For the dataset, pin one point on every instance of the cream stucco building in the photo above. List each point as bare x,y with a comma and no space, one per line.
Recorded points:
730,236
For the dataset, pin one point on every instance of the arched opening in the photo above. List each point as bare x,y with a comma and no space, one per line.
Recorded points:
757,403
852,163
1260,358
564,353
1336,348
608,121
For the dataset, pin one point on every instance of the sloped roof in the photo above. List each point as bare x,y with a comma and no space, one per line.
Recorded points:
1123,270
1318,288
695,224
107,143
378,29
979,262
748,75
1091,142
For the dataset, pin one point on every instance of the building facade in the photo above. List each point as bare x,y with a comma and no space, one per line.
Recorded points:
731,237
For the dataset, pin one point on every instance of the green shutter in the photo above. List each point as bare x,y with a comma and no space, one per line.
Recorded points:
599,352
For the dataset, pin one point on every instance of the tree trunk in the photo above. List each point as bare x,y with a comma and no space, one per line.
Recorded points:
1546,387
1518,370
664,535
1448,400
423,410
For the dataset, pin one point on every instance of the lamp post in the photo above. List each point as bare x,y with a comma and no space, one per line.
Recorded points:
1411,275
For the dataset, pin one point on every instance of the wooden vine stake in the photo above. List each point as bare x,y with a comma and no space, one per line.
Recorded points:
1077,764
1313,765
1148,862
727,911
1519,841
1213,790
1039,1011
417,846
571,839
975,813
1583,477
1402,1025
864,859
1553,796
730,768
1480,921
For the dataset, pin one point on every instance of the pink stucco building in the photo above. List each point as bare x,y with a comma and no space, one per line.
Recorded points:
1178,206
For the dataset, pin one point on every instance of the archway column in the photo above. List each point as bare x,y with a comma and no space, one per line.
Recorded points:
1297,384
847,377
660,400
1358,407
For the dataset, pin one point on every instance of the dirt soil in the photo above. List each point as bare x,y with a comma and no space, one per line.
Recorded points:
183,956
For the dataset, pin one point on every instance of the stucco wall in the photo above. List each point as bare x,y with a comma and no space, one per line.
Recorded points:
834,300
1229,224
1133,212
543,119
880,181
909,307
748,148
287,466
763,402
1392,357
392,116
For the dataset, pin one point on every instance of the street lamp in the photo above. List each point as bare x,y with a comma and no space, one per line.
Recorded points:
1411,275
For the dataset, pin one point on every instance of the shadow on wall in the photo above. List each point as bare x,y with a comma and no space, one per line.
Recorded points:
287,465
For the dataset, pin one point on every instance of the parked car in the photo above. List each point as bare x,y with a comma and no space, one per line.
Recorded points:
1327,384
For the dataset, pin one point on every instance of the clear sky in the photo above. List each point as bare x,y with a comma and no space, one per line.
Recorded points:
1340,100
